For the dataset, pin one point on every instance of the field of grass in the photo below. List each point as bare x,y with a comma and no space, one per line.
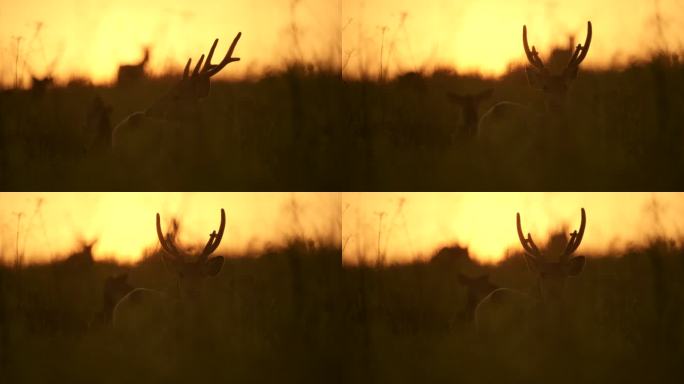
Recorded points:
270,317
623,322
627,127
294,314
274,133
304,129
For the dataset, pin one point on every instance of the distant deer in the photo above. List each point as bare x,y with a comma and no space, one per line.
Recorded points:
470,110
98,125
82,258
507,310
477,288
115,288
144,309
132,73
511,126
40,85
162,129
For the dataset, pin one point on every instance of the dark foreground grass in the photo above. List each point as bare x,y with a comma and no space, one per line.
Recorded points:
624,322
627,126
311,130
293,314
270,318
274,133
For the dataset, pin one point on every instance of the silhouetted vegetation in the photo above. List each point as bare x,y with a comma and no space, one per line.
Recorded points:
306,129
277,132
623,321
293,314
270,317
627,133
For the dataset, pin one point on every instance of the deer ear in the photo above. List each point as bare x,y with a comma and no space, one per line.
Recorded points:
575,265
213,266
534,77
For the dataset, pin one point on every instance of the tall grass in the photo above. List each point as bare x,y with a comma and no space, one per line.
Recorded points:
629,132
305,128
294,314
277,132
265,318
624,322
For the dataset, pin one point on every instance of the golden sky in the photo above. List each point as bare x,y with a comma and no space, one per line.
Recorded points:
50,225
414,225
92,37
410,225
485,35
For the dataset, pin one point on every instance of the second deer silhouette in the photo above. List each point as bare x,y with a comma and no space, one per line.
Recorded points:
470,110
115,287
506,311
165,128
132,73
98,127
477,288
144,309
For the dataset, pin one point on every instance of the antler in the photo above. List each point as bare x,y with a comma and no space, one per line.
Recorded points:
210,69
532,56
214,238
575,238
166,244
580,52
527,243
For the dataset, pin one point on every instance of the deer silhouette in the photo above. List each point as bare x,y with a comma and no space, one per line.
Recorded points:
172,125
515,128
144,309
470,110
115,287
133,73
477,288
505,311
98,125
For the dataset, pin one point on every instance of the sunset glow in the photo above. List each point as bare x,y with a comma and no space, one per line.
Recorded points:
90,38
415,225
50,225
485,35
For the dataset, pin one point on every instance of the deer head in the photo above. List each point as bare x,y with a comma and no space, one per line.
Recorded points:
182,98
554,86
551,275
98,124
115,287
470,106
191,269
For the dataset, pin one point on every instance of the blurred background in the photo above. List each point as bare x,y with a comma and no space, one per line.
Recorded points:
392,37
41,227
405,227
90,38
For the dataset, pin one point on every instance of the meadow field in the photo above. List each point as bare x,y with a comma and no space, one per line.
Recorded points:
623,322
267,317
309,129
626,126
295,314
277,132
